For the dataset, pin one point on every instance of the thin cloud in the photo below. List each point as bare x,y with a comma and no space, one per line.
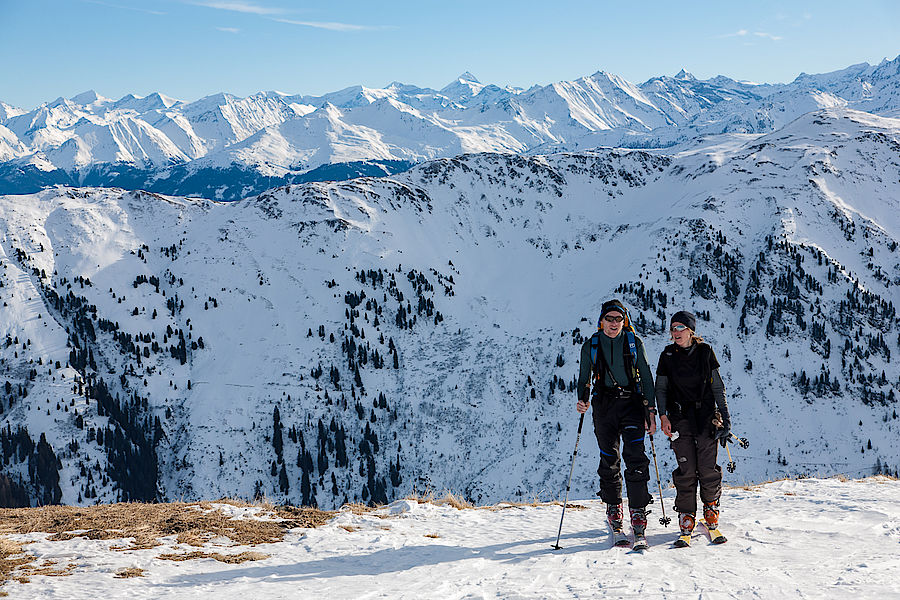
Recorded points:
742,33
135,8
331,26
229,29
738,33
241,7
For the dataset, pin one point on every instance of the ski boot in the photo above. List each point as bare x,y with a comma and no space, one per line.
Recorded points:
710,521
711,514
614,519
639,527
686,524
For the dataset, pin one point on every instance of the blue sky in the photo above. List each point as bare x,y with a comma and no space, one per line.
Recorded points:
188,49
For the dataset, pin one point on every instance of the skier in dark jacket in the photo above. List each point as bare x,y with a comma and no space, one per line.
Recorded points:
694,415
616,382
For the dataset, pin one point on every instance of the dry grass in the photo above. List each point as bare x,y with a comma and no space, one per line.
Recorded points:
421,498
448,499
842,477
432,535
12,557
533,503
753,487
359,509
129,572
458,502
192,523
48,568
231,559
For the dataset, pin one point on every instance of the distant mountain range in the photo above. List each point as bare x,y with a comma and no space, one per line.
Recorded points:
225,147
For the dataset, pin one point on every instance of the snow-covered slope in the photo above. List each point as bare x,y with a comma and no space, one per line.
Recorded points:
805,538
421,331
276,134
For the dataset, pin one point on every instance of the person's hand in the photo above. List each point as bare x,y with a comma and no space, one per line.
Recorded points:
582,406
723,434
651,423
665,425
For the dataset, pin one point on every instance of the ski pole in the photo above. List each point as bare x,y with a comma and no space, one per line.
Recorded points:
569,484
741,441
731,464
663,520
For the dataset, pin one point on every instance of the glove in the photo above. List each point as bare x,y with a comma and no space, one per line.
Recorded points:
723,434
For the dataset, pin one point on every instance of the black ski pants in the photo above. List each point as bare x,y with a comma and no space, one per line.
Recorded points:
696,454
615,417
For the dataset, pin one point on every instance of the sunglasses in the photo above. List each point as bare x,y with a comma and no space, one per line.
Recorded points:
613,319
678,328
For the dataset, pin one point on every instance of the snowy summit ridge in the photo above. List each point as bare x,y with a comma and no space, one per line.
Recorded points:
224,146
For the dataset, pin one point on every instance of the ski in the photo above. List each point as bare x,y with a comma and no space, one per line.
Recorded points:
620,540
640,543
715,536
683,541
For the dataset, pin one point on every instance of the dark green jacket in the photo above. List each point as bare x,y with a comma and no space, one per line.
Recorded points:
612,351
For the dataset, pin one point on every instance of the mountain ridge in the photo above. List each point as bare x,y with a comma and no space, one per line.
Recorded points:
271,345
406,122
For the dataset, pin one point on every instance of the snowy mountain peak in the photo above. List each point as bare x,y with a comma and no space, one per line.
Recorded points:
8,111
465,87
61,103
685,76
88,98
887,68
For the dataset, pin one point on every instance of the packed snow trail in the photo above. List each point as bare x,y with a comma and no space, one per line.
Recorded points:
808,538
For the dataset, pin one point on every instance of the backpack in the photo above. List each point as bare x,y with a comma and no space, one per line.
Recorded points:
629,353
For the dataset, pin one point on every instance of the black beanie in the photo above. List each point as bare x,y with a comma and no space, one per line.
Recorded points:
610,306
685,318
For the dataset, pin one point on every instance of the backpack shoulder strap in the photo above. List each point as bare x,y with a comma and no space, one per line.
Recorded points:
629,351
598,360
632,344
707,356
